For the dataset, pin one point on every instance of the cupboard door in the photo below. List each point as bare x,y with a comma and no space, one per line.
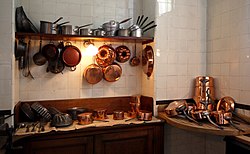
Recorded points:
125,142
79,145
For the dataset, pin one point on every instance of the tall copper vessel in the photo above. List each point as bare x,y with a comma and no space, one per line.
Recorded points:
204,93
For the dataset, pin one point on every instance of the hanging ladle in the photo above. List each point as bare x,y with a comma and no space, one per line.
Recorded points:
135,61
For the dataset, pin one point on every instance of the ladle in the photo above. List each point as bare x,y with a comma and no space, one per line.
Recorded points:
135,61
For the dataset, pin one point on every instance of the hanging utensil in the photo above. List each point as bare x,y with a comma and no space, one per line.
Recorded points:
122,53
26,71
148,60
105,56
112,72
135,61
39,58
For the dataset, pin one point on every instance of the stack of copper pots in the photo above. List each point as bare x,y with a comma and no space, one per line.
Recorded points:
204,93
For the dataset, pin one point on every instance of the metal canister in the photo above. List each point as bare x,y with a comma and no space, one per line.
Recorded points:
204,93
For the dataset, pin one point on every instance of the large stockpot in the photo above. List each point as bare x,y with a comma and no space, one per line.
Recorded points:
204,93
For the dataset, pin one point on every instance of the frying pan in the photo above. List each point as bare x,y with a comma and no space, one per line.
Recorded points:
105,56
112,72
50,51
71,56
148,60
122,53
93,73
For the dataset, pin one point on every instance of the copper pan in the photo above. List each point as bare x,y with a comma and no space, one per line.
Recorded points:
112,72
148,60
93,74
105,56
170,110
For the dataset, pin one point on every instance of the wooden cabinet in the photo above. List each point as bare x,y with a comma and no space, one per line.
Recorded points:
126,139
79,145
128,142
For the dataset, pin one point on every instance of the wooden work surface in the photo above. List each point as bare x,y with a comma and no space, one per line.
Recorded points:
183,123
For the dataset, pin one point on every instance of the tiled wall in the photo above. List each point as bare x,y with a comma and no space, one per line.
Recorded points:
228,48
180,47
72,84
6,55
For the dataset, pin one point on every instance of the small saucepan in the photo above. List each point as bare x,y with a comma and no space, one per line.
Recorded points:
118,115
100,114
85,118
47,26
144,115
71,56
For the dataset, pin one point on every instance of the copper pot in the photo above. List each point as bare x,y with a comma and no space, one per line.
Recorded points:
118,115
220,115
170,110
204,81
85,118
100,114
144,115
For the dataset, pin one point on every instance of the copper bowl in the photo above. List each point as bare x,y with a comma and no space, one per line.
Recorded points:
118,115
85,118
144,115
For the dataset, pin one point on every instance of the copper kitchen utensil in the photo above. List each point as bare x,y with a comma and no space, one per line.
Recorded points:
112,72
85,118
122,53
220,117
227,104
100,114
105,56
144,115
206,113
204,93
170,110
148,60
71,56
93,73
135,61
118,115
182,109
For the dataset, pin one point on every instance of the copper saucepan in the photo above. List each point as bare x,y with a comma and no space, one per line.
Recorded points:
144,115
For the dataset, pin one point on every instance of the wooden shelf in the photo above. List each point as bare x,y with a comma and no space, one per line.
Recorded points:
183,123
38,36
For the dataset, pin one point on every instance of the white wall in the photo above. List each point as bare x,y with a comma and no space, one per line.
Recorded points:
228,48
180,43
71,84
6,55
